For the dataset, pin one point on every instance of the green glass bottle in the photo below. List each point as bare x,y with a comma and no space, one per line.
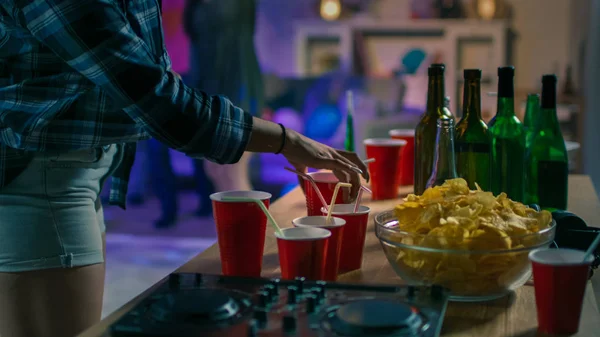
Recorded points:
508,141
425,132
532,111
473,141
546,158
444,165
349,141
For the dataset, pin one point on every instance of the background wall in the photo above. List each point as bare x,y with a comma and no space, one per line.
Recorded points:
547,31
592,77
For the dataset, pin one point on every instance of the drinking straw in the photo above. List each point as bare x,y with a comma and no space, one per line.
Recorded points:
359,197
262,207
335,192
312,183
592,248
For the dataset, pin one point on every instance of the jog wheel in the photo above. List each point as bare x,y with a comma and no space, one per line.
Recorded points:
375,318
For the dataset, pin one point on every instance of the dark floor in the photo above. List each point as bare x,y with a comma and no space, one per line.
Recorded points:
139,255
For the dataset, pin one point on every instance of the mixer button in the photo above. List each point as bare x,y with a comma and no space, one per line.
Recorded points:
311,303
261,318
264,299
292,295
300,284
289,323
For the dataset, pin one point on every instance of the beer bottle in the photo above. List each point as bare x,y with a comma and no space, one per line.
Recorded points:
425,132
532,111
473,139
508,141
546,158
444,166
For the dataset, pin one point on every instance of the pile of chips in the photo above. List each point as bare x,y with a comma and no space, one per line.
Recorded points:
471,242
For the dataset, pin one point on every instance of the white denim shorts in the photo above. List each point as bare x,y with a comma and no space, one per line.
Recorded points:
51,215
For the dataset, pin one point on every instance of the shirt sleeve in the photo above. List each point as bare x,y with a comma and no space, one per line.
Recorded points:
96,40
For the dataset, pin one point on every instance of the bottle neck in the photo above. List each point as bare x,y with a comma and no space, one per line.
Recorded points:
445,166
506,107
472,99
531,112
548,118
435,95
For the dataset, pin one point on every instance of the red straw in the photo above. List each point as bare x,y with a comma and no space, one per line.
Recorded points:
312,183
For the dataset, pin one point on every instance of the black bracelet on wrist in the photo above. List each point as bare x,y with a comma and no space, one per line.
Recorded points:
283,138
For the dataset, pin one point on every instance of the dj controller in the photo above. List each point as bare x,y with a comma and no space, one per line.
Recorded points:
198,305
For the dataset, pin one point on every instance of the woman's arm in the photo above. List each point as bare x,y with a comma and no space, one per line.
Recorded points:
96,40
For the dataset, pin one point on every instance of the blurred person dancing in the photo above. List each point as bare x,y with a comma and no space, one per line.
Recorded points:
223,60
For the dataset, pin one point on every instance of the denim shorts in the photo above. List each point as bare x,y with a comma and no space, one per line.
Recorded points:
51,215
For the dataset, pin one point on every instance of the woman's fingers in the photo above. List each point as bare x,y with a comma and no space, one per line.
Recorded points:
353,159
346,177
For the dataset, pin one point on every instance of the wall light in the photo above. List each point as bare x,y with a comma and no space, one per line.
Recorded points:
486,9
330,9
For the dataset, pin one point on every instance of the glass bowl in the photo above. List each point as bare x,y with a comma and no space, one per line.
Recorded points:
483,274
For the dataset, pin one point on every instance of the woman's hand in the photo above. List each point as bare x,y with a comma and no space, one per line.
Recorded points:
303,152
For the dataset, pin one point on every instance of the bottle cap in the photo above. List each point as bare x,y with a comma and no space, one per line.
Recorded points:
506,71
551,78
472,74
436,69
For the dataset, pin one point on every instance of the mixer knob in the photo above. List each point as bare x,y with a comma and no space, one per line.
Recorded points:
261,318
252,328
437,292
311,304
197,280
319,293
264,299
174,281
300,284
289,323
272,290
292,295
410,293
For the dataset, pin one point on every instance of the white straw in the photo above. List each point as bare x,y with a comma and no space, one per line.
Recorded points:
592,248
262,207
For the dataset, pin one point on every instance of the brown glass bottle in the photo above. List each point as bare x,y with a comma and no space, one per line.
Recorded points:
426,130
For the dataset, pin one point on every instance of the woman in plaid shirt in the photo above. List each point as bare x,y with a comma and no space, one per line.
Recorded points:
80,82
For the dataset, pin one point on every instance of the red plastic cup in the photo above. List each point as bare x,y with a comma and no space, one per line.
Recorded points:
325,182
406,160
353,239
332,255
385,168
302,252
560,277
240,232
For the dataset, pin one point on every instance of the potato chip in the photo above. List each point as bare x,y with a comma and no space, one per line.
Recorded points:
478,230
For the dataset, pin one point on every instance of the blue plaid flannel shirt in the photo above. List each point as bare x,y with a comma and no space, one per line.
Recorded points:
78,74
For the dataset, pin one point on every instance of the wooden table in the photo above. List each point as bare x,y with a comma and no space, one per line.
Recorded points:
512,316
